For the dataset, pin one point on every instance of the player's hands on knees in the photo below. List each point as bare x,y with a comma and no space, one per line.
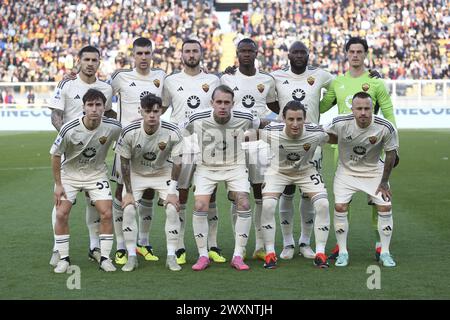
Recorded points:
385,191
173,200
59,194
128,199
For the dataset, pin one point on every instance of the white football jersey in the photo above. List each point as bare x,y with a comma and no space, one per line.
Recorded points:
130,86
149,154
251,93
85,150
220,144
188,94
68,96
360,148
291,156
306,88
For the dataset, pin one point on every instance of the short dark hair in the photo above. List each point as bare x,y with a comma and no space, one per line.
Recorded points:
356,40
247,40
223,88
93,94
294,106
192,41
142,42
88,49
149,100
362,95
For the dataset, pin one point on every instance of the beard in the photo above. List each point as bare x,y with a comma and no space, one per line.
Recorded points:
192,64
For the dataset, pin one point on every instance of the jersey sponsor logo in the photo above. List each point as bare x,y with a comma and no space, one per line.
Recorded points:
193,102
248,101
77,97
307,146
373,139
298,94
180,89
311,80
133,84
205,87
162,145
144,93
150,156
365,86
260,87
103,139
359,150
293,156
157,83
89,152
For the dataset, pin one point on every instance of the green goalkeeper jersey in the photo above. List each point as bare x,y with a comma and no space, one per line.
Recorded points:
344,87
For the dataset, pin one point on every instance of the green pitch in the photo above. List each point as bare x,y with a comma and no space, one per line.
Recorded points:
421,246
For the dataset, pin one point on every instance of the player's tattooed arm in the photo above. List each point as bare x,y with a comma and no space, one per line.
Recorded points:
333,139
111,114
389,162
57,118
128,199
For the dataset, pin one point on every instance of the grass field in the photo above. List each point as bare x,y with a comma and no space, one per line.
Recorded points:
421,246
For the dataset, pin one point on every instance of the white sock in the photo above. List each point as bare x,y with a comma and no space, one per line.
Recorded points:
233,215
200,225
213,223
182,217
145,210
129,228
307,220
286,209
243,225
259,240
385,227
53,226
268,224
62,245
106,243
172,229
341,230
322,221
117,213
93,224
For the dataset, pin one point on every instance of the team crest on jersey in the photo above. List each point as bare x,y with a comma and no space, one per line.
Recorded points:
157,83
162,145
307,146
260,87
373,139
359,150
293,156
205,87
365,87
311,80
150,156
103,139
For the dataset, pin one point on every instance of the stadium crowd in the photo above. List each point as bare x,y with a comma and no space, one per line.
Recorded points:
407,39
43,47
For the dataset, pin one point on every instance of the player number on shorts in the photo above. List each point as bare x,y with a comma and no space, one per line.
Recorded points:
316,178
103,184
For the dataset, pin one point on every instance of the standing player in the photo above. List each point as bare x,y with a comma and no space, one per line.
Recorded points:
219,133
341,91
67,105
84,142
144,148
131,85
361,139
303,83
294,144
189,91
254,91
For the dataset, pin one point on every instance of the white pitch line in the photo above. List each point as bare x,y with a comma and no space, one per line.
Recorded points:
25,168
